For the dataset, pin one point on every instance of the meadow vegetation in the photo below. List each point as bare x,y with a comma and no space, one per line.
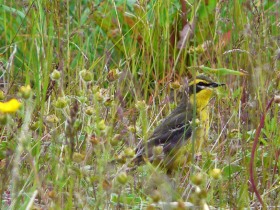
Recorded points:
95,77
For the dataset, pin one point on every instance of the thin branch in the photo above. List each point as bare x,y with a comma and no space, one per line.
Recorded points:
254,148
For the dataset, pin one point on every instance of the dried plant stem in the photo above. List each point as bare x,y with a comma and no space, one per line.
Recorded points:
254,148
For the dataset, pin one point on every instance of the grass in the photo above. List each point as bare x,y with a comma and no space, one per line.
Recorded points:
103,74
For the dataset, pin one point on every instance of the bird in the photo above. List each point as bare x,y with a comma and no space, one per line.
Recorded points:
190,119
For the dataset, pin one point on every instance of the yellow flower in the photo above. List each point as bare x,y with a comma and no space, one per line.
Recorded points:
10,106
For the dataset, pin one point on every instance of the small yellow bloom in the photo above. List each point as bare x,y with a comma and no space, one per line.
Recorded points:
25,91
10,106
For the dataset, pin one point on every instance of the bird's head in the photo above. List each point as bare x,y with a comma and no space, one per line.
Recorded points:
201,90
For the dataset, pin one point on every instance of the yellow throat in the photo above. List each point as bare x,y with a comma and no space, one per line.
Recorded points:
202,114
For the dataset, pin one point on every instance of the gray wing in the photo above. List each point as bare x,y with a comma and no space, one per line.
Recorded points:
171,133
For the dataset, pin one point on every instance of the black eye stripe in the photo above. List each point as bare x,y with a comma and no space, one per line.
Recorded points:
203,84
199,86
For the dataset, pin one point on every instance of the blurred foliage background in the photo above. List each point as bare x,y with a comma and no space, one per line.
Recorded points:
104,73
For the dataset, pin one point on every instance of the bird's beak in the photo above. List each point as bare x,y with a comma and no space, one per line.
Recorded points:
214,85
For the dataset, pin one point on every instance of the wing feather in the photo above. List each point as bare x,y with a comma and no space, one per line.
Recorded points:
171,133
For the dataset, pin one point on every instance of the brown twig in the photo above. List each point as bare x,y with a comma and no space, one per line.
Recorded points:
184,12
254,148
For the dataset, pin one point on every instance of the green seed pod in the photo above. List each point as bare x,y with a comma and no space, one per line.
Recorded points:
25,91
55,75
61,103
89,111
52,119
34,125
157,150
86,75
129,152
197,179
101,125
2,95
122,178
175,85
216,173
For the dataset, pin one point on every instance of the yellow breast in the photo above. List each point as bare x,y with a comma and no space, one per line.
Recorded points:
202,129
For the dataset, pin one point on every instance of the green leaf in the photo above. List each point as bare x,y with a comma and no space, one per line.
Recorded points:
128,199
230,170
221,71
3,148
13,10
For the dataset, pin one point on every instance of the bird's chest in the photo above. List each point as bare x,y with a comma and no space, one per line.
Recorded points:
203,124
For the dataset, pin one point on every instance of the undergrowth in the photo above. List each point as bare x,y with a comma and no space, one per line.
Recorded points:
96,77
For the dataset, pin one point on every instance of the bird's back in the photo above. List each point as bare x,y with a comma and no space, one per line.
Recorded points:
171,134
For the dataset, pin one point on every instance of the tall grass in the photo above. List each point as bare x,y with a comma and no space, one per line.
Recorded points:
104,73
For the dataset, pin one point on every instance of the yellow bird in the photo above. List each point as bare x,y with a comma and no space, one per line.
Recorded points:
167,144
